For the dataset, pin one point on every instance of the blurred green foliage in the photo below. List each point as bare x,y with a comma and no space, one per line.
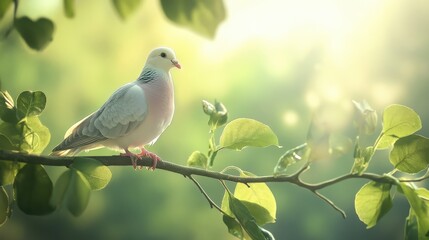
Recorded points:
276,66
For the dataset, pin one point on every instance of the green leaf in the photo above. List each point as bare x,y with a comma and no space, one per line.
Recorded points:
8,171
73,191
80,193
60,188
36,136
202,17
4,206
33,189
217,112
398,121
97,174
410,154
411,226
244,132
419,202
268,235
361,158
30,104
37,34
234,227
126,7
262,204
69,8
372,202
7,109
258,199
291,157
4,5
10,136
197,159
245,218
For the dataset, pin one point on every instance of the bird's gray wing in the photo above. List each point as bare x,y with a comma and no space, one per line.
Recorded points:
123,112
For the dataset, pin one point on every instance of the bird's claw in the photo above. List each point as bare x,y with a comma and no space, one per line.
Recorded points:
153,156
144,153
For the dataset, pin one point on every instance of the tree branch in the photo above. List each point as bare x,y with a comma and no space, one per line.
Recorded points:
184,170
189,171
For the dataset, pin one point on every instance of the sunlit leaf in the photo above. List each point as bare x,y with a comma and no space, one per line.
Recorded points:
36,135
197,159
258,199
262,204
398,121
30,104
202,17
7,110
69,8
33,190
372,202
234,227
73,191
126,7
410,154
245,218
8,171
4,6
244,132
4,206
37,34
291,157
418,200
97,174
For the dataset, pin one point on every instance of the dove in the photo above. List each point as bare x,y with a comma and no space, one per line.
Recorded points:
134,116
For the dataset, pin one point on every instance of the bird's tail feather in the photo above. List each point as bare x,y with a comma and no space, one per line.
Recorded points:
67,152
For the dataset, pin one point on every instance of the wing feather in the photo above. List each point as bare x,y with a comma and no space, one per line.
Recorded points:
122,113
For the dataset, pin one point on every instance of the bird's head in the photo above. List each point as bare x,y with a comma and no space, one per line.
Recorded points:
163,58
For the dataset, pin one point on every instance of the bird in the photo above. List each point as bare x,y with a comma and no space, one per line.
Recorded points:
134,116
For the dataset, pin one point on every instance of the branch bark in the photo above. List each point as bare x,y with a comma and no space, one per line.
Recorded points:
190,171
184,170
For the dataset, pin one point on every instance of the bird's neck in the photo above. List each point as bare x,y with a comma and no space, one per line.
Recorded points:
149,74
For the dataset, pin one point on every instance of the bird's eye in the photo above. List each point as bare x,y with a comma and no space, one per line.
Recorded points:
163,55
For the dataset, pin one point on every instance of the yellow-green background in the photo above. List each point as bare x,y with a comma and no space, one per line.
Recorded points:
274,61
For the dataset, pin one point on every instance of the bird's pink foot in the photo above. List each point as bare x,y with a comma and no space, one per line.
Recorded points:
134,158
153,156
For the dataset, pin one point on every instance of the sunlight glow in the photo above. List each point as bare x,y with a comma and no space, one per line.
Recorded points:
290,118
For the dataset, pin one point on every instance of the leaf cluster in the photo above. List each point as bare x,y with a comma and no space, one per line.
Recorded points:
33,191
201,16
251,204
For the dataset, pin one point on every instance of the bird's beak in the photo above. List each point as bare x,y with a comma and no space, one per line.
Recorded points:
176,63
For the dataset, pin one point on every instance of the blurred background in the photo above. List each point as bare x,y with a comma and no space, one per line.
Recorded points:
274,61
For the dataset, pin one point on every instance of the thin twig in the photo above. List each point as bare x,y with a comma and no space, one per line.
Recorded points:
332,204
211,202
